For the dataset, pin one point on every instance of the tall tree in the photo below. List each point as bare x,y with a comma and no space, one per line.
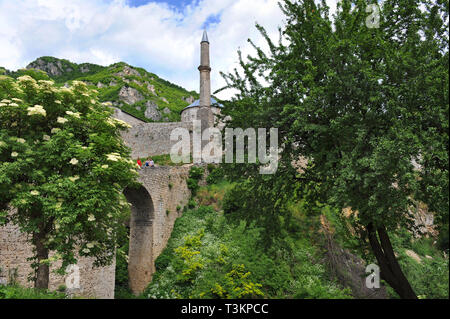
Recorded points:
63,167
361,95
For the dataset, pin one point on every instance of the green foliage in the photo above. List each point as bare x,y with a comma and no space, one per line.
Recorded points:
430,276
216,174
109,80
195,174
213,194
34,73
188,254
358,103
443,239
17,292
63,166
191,203
236,285
122,267
207,257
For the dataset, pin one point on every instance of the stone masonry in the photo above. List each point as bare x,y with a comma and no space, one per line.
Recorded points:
154,204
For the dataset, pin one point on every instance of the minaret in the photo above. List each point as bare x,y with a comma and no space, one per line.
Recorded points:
205,70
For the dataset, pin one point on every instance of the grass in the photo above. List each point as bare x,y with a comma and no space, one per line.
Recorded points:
162,160
212,195
18,292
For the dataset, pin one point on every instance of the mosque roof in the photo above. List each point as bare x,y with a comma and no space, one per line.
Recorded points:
197,103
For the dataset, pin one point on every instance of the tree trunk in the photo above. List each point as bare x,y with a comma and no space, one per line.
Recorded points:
390,269
42,271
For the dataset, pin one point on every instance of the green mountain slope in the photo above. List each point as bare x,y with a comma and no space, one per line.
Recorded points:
132,89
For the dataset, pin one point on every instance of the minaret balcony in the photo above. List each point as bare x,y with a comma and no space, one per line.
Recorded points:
204,68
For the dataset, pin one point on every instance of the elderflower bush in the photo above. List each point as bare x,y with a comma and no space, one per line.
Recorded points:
62,163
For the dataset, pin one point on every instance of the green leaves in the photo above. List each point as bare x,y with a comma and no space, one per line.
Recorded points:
54,167
361,103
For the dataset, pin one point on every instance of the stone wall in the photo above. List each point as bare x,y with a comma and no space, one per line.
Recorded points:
154,211
121,115
149,139
168,189
95,282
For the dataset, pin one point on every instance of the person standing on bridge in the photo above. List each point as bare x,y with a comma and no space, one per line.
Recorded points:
139,162
152,164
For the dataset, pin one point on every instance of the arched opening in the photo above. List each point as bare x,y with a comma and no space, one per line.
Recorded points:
140,254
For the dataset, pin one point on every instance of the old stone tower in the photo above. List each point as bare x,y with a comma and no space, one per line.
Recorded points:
206,107
155,205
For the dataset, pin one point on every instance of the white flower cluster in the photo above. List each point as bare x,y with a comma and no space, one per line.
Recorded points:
6,102
74,178
113,157
122,123
61,120
26,78
36,110
74,114
73,161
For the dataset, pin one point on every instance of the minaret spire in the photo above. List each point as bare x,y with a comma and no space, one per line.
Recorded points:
205,70
205,36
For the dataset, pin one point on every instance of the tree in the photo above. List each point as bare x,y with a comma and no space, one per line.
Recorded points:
63,167
361,103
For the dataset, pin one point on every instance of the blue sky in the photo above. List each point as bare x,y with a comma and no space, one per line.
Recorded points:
176,3
161,36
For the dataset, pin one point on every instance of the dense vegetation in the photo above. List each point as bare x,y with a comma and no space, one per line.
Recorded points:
108,81
359,104
63,167
212,255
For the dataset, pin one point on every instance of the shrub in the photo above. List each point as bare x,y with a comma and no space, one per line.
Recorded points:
215,175
17,292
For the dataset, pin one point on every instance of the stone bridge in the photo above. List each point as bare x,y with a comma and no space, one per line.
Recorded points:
153,214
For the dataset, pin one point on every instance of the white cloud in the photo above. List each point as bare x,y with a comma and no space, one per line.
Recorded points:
159,38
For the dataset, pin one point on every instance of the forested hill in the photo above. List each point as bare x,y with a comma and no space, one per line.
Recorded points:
132,89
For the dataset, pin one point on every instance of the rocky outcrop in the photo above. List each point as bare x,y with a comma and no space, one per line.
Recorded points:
84,69
151,88
130,95
53,68
152,111
189,99
423,221
128,71
348,268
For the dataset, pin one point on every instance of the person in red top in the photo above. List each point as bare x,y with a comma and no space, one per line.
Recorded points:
139,162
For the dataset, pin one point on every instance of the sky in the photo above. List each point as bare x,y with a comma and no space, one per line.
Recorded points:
162,36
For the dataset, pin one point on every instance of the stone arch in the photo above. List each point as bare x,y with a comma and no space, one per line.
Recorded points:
140,253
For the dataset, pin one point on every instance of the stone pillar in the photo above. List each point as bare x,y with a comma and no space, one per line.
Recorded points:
140,252
205,70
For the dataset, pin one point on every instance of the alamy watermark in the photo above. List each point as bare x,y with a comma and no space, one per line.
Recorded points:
207,146
73,277
373,278
373,19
